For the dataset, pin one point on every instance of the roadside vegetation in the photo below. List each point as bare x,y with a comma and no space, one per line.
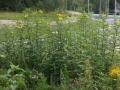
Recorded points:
4,15
38,54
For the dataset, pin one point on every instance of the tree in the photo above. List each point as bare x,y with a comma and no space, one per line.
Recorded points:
11,4
54,4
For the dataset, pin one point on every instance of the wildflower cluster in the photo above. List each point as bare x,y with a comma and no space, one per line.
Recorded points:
114,71
60,16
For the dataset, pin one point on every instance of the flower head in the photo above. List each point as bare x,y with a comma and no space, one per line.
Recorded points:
60,16
114,71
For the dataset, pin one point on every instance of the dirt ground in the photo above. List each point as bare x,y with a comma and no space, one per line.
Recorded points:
8,22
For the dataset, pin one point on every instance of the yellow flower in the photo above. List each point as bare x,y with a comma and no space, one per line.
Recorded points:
114,71
60,16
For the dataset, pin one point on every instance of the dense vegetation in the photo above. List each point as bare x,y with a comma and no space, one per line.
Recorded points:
53,4
49,52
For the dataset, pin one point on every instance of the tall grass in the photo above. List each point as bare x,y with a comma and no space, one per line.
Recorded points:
75,56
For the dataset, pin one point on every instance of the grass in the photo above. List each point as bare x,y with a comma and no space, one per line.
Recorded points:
10,15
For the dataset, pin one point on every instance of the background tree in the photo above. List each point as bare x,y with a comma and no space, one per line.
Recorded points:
81,5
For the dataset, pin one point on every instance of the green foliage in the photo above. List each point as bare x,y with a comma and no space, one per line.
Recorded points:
59,55
18,5
13,79
17,78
